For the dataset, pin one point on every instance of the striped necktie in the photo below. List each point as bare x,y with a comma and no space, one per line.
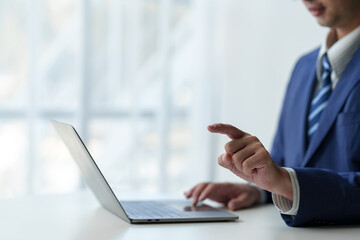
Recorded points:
321,98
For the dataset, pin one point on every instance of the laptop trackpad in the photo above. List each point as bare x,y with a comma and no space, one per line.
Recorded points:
185,207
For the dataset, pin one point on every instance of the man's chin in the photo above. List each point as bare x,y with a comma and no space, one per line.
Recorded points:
323,22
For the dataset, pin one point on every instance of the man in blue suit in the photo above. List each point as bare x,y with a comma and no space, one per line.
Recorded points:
318,136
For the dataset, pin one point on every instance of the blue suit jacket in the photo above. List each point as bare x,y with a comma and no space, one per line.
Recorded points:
328,168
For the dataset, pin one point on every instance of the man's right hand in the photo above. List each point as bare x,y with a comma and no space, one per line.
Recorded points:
234,196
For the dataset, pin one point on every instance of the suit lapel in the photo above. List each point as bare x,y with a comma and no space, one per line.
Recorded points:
348,80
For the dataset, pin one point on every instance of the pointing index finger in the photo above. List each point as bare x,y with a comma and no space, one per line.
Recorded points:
231,131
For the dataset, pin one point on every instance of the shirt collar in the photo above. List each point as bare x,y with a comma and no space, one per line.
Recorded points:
340,53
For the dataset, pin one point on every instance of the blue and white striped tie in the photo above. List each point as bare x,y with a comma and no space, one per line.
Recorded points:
321,98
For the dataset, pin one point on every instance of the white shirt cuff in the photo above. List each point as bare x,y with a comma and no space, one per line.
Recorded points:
284,205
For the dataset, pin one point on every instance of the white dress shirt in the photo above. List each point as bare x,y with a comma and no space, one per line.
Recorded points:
339,54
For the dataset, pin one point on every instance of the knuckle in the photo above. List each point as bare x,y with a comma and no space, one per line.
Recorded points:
238,166
253,139
196,190
258,144
233,169
237,158
263,154
200,185
245,165
199,188
246,168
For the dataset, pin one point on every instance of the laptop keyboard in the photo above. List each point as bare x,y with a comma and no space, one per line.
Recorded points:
150,209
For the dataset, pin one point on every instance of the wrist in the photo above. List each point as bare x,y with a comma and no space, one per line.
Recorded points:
283,185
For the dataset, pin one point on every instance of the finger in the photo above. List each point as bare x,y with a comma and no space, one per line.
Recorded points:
231,131
237,144
209,189
242,201
198,190
253,163
239,157
225,160
190,192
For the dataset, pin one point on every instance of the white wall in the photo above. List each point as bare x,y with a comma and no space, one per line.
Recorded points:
258,43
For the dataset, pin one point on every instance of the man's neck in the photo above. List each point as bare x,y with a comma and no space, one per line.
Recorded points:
343,31
336,34
332,38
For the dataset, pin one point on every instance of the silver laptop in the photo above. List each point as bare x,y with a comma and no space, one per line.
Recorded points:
133,211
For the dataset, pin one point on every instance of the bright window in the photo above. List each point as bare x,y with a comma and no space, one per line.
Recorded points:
135,78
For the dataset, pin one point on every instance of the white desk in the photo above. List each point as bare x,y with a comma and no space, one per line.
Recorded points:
80,217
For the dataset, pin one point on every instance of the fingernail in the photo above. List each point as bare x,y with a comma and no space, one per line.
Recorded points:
212,126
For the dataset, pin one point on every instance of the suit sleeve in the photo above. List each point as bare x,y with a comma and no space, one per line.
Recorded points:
326,198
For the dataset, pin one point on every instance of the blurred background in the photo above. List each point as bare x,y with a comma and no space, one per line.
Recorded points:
140,80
